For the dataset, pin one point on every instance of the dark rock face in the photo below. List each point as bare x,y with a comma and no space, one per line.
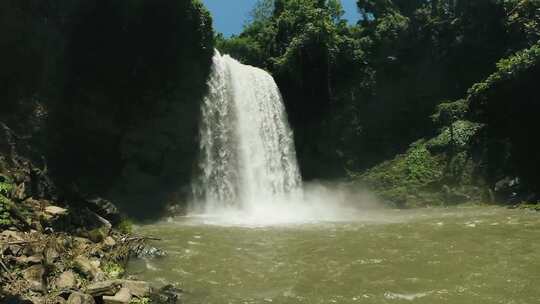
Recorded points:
15,300
104,208
511,190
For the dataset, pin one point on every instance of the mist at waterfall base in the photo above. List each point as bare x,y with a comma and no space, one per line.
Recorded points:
320,202
248,172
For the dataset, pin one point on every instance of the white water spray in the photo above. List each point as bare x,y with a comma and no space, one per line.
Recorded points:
247,156
248,172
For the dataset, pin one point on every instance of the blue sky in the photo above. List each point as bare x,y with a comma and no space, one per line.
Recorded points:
230,15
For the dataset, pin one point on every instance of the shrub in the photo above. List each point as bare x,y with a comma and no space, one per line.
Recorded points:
125,226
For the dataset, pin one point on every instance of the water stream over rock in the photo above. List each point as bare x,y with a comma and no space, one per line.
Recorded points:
247,157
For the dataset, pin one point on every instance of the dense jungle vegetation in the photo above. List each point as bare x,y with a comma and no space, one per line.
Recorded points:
426,102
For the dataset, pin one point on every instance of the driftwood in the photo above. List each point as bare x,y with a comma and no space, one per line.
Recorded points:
131,245
141,238
18,243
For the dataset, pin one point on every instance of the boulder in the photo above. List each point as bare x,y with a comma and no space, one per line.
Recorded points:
105,209
105,288
55,211
10,235
139,289
66,280
123,296
166,295
80,298
34,275
90,268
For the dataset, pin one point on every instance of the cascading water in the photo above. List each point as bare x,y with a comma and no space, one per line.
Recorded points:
247,158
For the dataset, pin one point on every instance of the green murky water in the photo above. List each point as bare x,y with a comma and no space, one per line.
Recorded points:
459,255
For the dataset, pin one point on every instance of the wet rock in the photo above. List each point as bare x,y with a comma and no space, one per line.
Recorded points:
150,252
508,189
66,280
105,209
90,268
34,275
167,295
123,296
139,289
80,298
107,288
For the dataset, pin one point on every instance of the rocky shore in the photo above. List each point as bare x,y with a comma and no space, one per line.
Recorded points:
83,266
59,246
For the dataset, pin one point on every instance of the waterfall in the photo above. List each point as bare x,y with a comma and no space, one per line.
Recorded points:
247,157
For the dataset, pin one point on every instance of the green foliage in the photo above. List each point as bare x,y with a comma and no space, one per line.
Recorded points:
424,178
458,135
507,69
523,21
507,102
262,11
120,83
244,48
416,168
403,181
357,95
449,112
125,226
5,185
144,300
435,171
113,270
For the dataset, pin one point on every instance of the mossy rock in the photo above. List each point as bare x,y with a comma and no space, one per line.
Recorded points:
97,235
423,177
